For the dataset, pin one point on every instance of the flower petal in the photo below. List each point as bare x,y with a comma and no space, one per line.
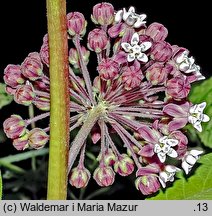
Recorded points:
135,39
191,160
171,169
142,57
131,9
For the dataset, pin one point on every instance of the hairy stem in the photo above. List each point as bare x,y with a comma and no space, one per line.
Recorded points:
80,138
59,100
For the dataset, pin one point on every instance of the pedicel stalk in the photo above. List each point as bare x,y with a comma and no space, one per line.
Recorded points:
139,93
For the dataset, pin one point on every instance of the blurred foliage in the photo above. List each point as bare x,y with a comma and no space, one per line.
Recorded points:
5,98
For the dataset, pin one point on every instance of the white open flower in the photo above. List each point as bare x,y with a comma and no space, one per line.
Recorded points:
168,174
130,17
187,65
196,116
190,159
165,148
135,50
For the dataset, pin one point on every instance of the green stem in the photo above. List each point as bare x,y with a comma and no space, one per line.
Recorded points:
94,114
59,100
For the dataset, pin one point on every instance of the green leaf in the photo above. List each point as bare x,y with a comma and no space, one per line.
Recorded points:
5,98
199,94
196,187
0,186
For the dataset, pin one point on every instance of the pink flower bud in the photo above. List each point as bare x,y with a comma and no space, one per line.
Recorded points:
14,126
13,76
132,77
103,14
147,184
44,51
32,67
24,94
178,87
162,51
156,74
21,143
157,32
74,57
104,176
109,157
42,103
124,166
79,177
97,40
37,138
108,69
76,23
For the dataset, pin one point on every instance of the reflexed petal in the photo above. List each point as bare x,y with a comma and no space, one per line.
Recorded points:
145,46
177,123
135,39
148,134
172,153
126,46
146,151
198,126
205,118
142,57
174,110
157,148
121,57
118,16
199,76
162,157
186,167
130,57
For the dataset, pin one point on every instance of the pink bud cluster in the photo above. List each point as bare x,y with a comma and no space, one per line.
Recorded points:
142,84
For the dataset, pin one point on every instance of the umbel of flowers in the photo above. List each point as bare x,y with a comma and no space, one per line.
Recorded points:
140,93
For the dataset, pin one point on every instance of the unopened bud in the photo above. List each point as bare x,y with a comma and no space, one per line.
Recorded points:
103,14
76,24
14,126
21,143
104,176
97,40
124,166
13,75
37,138
79,177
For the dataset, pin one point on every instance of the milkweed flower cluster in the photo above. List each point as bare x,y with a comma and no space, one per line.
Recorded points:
140,93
